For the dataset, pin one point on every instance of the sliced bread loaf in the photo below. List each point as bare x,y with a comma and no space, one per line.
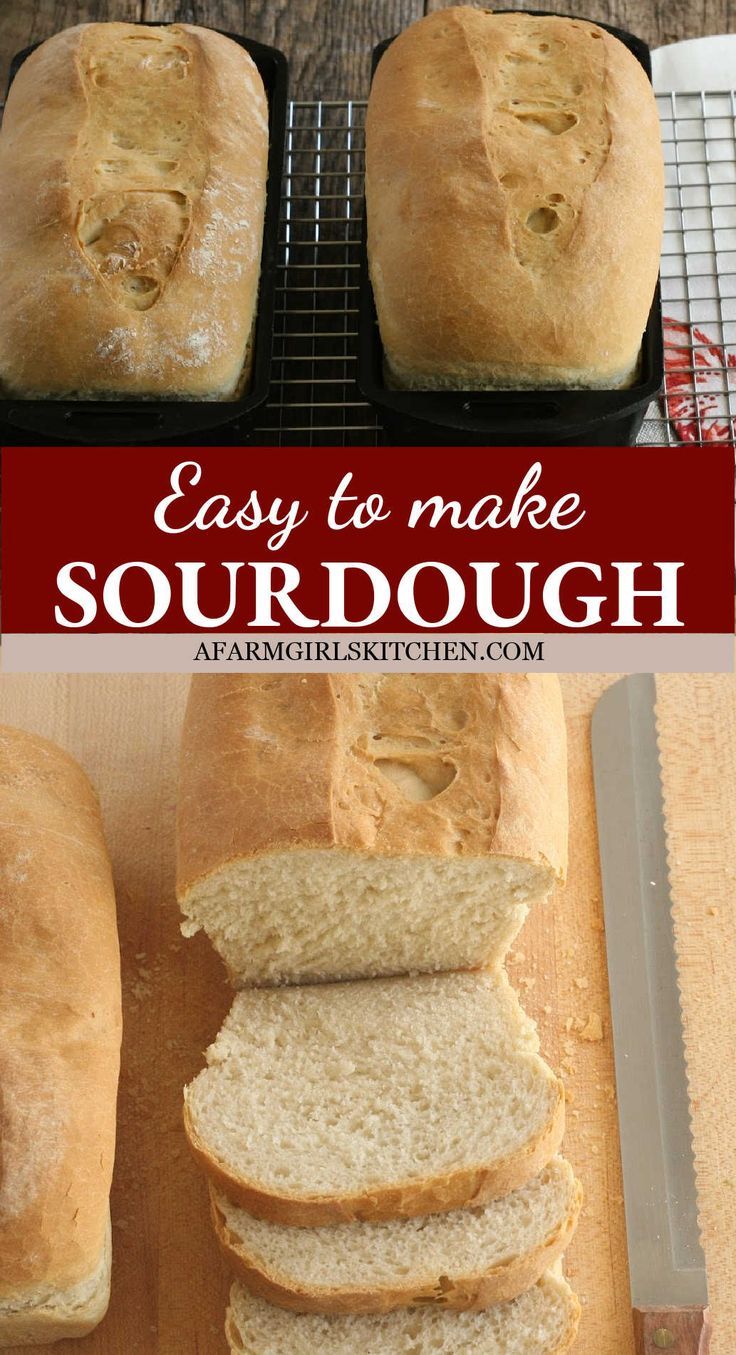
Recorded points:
467,1258
543,1321
348,827
378,1099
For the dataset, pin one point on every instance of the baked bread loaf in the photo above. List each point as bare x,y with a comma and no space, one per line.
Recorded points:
514,191
133,166
343,827
378,1099
543,1321
465,1259
60,1026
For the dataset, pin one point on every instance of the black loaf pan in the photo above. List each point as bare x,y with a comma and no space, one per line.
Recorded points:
147,421
513,418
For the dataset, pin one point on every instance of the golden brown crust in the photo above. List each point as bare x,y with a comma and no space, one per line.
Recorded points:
57,1315
469,1293
60,1023
133,166
514,187
458,1189
288,762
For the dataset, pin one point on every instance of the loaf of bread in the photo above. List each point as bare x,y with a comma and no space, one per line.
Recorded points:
343,827
465,1259
379,1099
514,189
60,1026
133,165
544,1321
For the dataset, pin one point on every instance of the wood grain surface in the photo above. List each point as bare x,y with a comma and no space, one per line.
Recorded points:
329,41
170,1287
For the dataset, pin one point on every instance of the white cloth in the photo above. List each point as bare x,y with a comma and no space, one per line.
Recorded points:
699,63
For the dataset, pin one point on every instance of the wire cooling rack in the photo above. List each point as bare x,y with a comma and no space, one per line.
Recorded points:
699,264
314,397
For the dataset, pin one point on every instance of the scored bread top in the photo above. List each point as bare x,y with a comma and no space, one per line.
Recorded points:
133,164
514,189
397,765
60,1022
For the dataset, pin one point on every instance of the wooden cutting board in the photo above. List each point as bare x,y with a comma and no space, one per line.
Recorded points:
169,1286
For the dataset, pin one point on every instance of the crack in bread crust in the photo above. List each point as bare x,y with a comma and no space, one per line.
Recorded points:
149,170
515,202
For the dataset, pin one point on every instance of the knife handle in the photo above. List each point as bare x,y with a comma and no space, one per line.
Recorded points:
683,1331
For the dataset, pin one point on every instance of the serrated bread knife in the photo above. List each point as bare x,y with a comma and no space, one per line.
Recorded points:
669,1292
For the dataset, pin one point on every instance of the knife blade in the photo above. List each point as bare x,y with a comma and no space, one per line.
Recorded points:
669,1291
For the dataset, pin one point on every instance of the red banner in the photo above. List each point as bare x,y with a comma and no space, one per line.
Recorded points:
388,540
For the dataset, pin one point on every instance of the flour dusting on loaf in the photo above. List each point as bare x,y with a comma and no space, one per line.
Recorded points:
133,164
514,188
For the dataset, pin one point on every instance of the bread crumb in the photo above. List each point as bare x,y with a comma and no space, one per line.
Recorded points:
581,983
592,1031
712,911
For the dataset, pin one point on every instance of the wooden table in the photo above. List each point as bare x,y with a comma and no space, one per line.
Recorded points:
170,1286
329,41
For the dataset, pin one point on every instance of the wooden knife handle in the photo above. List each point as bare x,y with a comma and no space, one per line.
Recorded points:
682,1331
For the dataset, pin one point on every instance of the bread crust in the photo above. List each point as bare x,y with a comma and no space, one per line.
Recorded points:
467,1293
463,1188
515,201
288,762
130,239
60,1030
61,1315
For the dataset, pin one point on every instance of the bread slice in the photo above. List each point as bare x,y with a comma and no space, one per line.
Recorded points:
379,1099
350,827
465,1259
543,1321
